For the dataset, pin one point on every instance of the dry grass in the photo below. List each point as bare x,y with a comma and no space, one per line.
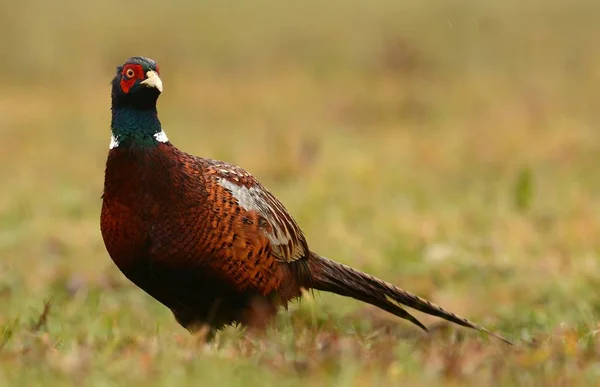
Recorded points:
449,147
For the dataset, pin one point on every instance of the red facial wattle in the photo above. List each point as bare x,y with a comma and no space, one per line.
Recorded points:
130,75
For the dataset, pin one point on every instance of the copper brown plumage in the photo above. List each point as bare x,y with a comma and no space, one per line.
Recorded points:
204,237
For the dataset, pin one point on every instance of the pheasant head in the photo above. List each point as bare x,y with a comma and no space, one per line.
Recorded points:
135,91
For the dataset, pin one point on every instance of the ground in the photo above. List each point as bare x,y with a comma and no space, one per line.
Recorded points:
449,147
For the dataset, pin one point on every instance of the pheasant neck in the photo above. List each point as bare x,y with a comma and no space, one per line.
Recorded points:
136,128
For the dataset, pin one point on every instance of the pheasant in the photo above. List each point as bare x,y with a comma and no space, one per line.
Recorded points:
204,237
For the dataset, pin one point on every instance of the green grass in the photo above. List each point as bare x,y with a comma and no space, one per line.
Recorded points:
448,147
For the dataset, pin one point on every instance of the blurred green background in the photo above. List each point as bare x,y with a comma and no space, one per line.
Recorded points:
450,147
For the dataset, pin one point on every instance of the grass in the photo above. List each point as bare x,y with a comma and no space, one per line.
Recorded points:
448,147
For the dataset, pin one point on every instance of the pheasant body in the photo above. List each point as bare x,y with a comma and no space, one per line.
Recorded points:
204,237
175,231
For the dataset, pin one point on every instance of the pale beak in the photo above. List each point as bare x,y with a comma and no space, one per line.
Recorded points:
153,80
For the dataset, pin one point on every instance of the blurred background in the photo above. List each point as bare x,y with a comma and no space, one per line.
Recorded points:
449,146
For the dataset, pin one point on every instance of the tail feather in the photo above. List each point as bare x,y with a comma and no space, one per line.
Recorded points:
334,277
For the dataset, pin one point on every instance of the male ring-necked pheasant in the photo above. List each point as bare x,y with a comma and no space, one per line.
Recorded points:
204,237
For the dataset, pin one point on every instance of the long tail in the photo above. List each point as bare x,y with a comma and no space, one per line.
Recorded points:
334,277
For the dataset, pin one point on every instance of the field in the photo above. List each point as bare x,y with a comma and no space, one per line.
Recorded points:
449,147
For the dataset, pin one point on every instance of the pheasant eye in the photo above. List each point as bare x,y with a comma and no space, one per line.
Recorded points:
129,73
